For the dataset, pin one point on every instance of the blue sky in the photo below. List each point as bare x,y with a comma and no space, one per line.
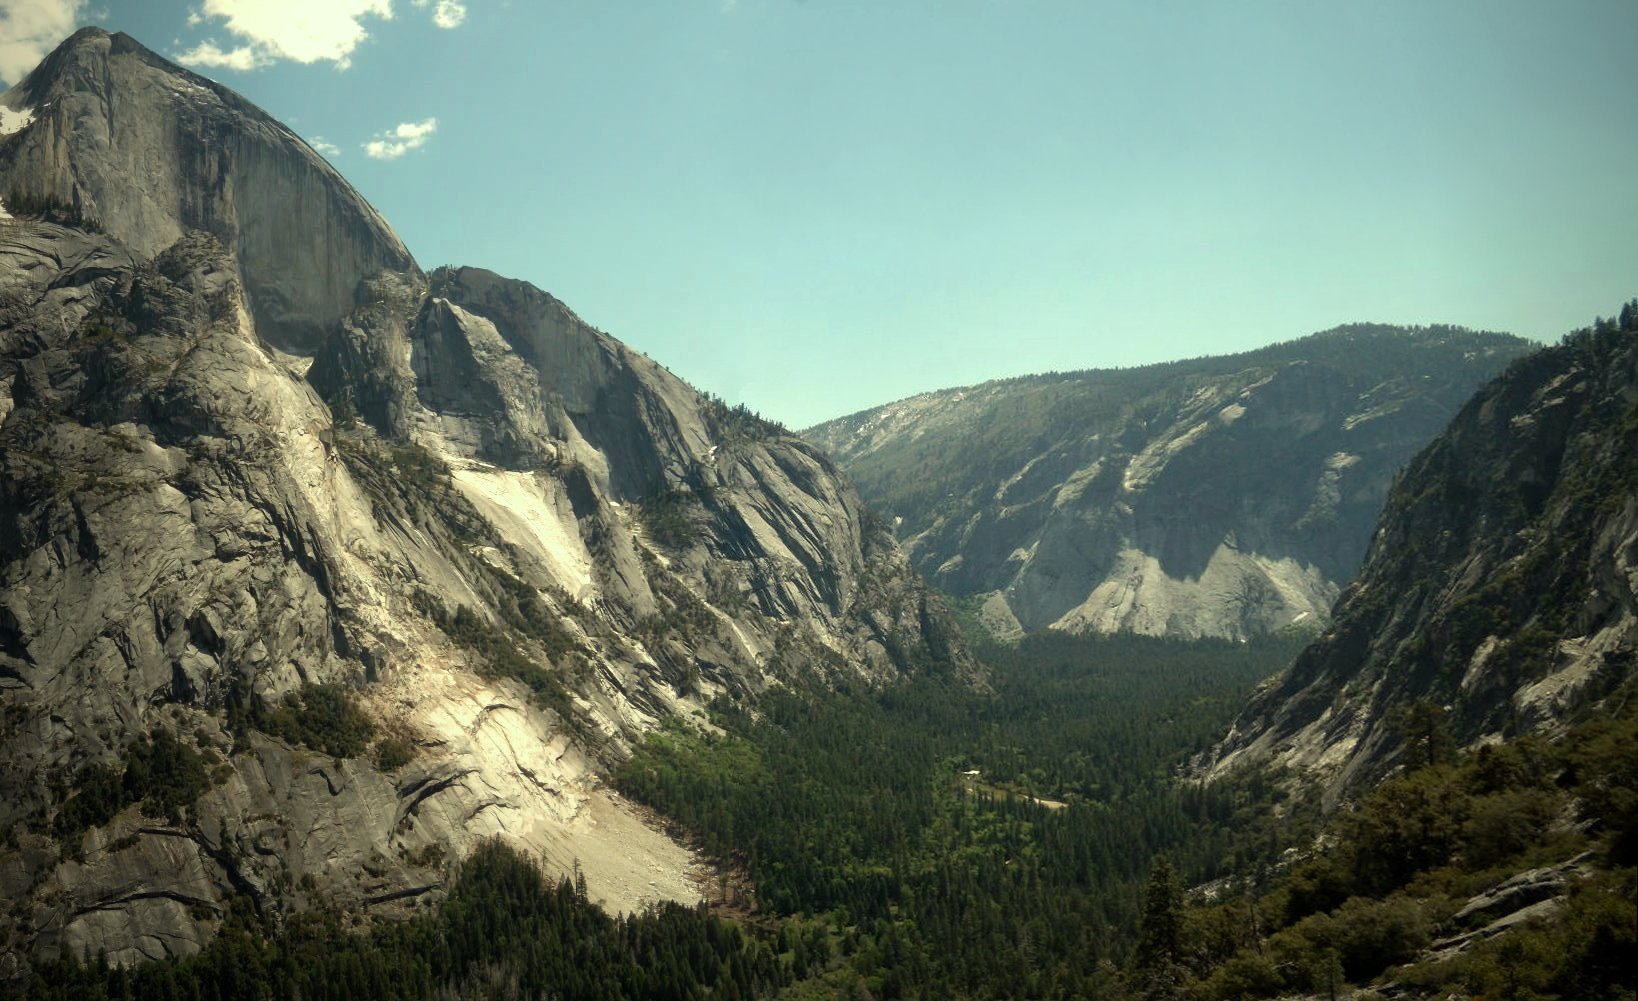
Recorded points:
814,206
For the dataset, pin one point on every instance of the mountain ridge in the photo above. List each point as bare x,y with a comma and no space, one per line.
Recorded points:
1223,496
1341,330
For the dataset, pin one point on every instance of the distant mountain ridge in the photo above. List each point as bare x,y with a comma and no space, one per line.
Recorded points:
1225,496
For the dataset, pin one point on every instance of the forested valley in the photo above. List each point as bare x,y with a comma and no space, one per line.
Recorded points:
952,843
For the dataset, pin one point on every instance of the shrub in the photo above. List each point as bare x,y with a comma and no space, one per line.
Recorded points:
668,516
99,793
322,717
1504,824
392,753
1247,975
162,773
1406,825
1372,935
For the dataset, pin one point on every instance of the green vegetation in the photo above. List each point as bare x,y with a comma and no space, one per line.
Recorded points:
669,517
501,656
407,482
529,635
872,861
322,717
161,773
732,425
1529,490
418,466
503,932
678,612
393,752
1387,879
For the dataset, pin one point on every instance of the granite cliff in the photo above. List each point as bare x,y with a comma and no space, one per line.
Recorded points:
1502,584
316,569
1229,496
149,151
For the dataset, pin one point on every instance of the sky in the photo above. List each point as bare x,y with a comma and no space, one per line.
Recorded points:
816,206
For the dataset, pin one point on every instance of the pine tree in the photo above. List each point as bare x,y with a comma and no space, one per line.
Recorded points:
1157,963
1427,739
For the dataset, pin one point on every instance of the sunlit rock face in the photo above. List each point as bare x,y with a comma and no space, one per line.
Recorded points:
516,542
1225,497
149,151
1502,583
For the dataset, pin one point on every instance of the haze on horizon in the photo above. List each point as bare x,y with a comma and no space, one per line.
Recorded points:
816,207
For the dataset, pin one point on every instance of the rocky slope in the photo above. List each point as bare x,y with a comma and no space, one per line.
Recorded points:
500,541
1226,496
1502,583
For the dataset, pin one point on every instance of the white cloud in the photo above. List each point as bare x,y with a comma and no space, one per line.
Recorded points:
303,31
244,58
447,14
30,29
326,148
394,143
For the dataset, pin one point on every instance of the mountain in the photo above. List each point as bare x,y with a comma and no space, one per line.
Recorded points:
1501,586
1228,496
316,569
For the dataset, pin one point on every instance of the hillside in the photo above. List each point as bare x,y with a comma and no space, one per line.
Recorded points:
1229,496
1466,726
1501,583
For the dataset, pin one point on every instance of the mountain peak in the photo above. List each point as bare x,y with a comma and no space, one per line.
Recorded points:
121,136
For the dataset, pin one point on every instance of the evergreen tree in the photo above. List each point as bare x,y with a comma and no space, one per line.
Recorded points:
1426,734
1157,963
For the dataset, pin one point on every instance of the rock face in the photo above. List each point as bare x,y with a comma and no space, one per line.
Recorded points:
149,151
516,543
1501,583
1224,496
